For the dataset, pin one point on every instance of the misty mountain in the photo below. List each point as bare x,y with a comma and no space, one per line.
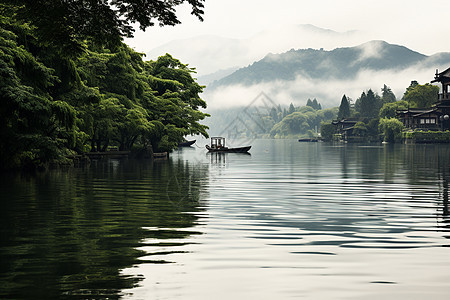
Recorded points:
209,54
207,79
340,63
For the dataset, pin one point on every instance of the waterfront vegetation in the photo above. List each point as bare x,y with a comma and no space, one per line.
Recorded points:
67,88
303,121
374,116
427,136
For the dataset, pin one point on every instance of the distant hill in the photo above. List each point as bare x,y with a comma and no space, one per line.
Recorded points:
207,79
209,54
340,63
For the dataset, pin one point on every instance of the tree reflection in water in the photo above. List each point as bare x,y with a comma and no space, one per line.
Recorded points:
69,233
423,164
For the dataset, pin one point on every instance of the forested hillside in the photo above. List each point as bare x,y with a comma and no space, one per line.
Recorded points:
66,92
340,63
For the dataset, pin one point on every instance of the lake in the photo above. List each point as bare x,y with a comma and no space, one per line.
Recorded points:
290,221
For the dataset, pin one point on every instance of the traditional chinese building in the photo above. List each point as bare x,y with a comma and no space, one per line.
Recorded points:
434,118
443,104
345,127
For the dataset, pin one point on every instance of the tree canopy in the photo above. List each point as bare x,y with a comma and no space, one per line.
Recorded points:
421,96
389,109
391,129
67,24
54,105
314,104
344,108
387,96
305,121
368,105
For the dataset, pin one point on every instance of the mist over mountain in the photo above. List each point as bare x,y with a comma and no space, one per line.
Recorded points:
296,75
326,65
342,63
210,78
209,54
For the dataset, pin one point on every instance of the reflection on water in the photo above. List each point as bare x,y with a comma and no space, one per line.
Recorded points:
69,233
291,220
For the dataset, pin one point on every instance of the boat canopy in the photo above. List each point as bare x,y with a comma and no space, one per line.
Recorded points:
217,142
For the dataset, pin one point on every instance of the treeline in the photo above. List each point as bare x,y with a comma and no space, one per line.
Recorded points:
69,96
272,122
376,114
303,121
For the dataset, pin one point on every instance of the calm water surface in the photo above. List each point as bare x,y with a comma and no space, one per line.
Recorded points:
290,221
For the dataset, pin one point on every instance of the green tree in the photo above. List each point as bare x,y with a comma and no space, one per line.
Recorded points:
391,129
291,109
421,96
304,122
327,131
53,105
372,129
154,103
370,104
387,96
69,24
360,129
176,102
314,104
389,109
34,127
344,108
413,84
274,114
106,116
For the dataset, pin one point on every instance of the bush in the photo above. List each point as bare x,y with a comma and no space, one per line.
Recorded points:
391,129
327,131
360,129
428,136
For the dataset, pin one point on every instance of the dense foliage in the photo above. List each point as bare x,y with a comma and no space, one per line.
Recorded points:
66,25
368,105
304,121
314,104
391,129
387,96
428,136
421,96
344,108
327,131
376,116
53,105
389,109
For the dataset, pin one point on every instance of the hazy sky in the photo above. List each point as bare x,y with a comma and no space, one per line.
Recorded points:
418,24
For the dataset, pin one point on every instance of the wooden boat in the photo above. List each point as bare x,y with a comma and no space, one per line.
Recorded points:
218,145
160,155
308,140
186,143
